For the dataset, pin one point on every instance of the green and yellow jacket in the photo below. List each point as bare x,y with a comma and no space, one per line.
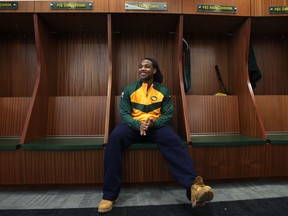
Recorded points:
137,103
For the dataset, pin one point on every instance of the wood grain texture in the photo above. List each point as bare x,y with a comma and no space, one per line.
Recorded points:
273,110
229,163
76,115
239,83
145,166
63,167
212,114
11,167
261,7
18,64
36,122
271,51
13,112
83,65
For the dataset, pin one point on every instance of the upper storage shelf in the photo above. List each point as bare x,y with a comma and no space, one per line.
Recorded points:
136,36
269,37
17,55
18,71
210,45
80,53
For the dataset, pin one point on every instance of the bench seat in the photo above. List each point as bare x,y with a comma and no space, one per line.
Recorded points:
281,138
211,140
65,143
9,143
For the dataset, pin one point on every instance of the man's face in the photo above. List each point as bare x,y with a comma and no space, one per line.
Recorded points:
146,71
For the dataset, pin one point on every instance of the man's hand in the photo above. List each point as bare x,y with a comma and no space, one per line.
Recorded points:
145,125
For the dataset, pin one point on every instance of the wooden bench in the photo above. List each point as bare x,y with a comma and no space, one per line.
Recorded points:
277,138
9,143
65,143
213,140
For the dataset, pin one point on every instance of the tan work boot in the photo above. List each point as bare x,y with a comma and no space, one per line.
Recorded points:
200,193
105,206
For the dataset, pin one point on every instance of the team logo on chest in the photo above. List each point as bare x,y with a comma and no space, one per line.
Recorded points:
154,98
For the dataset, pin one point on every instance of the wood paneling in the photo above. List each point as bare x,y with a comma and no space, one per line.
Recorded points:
174,6
98,6
209,46
271,51
230,162
63,167
18,64
82,65
243,6
261,7
11,167
76,115
206,52
212,114
132,48
36,122
277,160
239,83
273,109
13,111
145,166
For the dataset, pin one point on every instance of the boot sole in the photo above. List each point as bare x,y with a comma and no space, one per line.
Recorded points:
104,210
205,197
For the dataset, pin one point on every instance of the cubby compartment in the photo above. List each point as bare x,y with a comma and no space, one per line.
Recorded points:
220,120
144,35
18,74
17,79
269,36
73,59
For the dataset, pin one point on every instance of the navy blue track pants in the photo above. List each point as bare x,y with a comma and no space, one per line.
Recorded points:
175,153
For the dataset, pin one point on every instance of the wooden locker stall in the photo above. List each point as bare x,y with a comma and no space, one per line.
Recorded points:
269,39
69,103
222,126
146,35
17,79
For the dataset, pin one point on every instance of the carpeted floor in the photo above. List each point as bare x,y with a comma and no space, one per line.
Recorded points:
255,207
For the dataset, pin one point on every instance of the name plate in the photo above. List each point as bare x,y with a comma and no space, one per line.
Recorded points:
160,6
8,5
71,5
278,10
217,9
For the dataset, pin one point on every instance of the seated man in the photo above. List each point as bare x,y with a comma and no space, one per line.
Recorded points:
146,109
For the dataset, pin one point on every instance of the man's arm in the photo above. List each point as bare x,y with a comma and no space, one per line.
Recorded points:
166,111
126,111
